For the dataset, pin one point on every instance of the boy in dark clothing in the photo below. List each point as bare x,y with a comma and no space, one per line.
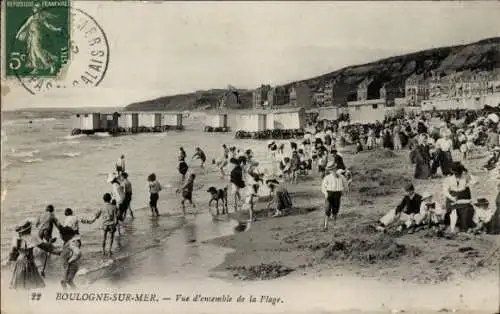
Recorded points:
187,193
404,212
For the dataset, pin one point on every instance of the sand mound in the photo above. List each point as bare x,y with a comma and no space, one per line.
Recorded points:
260,272
374,182
377,249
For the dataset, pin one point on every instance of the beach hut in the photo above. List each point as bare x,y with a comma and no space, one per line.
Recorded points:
109,121
89,121
286,119
129,120
217,120
252,122
328,113
149,120
172,119
366,111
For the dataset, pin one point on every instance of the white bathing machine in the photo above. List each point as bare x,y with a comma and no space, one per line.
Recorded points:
88,121
251,122
218,120
129,120
286,119
172,119
150,120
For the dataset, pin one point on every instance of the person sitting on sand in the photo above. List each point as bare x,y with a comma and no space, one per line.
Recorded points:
280,198
200,154
482,215
431,212
404,212
187,193
154,194
109,217
46,223
458,194
332,186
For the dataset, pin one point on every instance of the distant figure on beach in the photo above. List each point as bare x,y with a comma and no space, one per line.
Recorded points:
46,223
187,193
332,186
421,157
237,182
154,194
109,216
127,189
25,274
120,164
200,154
443,158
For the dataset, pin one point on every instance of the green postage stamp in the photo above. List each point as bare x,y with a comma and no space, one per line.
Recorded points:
37,37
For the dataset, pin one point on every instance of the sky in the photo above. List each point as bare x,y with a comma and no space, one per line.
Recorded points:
165,48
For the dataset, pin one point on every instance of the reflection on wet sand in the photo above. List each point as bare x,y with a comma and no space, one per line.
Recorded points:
178,250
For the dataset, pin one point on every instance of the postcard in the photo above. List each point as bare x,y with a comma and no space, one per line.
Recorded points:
250,157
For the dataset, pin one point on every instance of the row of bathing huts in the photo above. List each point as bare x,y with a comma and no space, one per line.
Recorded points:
256,124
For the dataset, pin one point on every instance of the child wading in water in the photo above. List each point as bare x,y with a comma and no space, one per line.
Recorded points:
250,201
154,190
187,193
109,215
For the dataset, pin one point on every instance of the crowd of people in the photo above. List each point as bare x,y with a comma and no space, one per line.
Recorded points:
315,155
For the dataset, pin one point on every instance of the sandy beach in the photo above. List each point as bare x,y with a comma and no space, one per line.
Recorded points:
294,245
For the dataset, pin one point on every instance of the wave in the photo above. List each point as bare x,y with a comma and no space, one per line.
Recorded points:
67,142
31,160
15,153
75,154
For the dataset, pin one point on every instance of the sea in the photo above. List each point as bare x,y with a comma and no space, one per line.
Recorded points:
43,164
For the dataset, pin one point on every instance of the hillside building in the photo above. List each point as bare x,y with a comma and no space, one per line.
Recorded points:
277,97
300,96
259,96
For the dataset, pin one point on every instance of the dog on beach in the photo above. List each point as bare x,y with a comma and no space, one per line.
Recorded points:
218,195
